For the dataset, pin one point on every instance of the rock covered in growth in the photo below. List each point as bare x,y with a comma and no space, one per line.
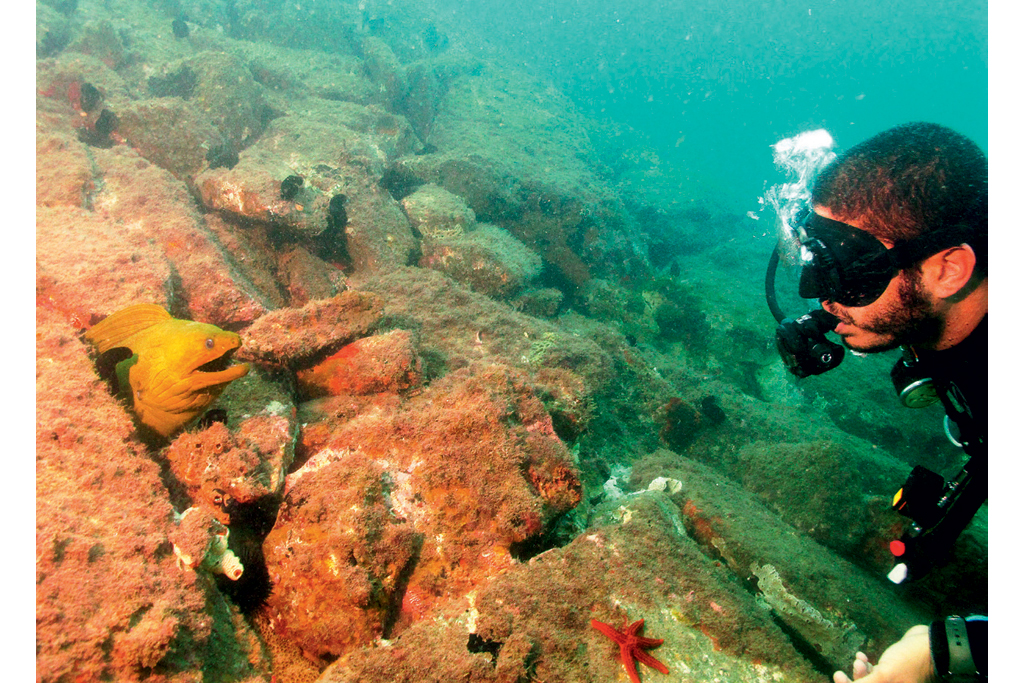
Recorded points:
290,337
336,556
566,398
525,162
171,132
377,237
383,362
101,40
116,227
337,148
253,256
487,260
227,466
428,82
53,31
464,326
437,213
218,468
542,303
307,277
86,260
297,25
228,97
321,416
471,467
819,595
64,172
384,68
292,74
849,470
532,621
147,200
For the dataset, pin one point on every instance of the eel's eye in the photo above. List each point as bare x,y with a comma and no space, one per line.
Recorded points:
209,342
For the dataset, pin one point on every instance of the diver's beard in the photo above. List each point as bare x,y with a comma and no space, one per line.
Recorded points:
911,320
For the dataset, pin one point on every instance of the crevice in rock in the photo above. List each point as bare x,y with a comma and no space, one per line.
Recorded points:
477,644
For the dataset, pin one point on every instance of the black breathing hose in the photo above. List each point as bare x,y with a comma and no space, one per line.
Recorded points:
769,287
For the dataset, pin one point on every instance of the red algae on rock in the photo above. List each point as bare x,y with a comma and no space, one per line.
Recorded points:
383,362
461,473
85,260
216,470
291,337
336,558
116,227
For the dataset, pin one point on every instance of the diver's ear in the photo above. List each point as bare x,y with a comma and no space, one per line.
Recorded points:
949,271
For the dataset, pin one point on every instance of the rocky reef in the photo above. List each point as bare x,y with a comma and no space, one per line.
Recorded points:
499,386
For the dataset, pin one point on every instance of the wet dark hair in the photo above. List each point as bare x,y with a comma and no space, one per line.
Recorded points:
909,180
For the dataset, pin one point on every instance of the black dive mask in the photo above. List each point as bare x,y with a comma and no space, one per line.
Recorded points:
851,267
843,264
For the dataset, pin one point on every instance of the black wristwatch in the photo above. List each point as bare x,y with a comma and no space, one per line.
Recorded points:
951,651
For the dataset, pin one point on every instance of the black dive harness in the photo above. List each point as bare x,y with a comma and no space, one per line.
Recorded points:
938,510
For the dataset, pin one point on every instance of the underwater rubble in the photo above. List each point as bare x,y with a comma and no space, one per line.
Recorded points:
497,388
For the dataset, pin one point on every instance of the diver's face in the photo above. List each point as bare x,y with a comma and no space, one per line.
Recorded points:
903,314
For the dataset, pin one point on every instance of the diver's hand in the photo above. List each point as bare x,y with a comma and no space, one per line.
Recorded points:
907,661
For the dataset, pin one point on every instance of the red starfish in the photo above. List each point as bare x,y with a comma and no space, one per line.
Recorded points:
632,646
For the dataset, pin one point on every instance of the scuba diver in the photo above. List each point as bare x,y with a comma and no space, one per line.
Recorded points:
893,243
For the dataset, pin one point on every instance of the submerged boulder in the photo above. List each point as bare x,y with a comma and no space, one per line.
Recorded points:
487,260
338,150
416,503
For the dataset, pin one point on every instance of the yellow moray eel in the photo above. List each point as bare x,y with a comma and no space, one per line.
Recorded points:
177,367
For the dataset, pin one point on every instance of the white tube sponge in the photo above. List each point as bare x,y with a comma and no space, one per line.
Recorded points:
219,559
201,541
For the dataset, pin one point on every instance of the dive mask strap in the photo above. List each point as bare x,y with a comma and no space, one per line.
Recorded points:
906,253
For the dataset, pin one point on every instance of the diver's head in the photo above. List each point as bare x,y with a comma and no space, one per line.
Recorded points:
878,308
910,180
896,246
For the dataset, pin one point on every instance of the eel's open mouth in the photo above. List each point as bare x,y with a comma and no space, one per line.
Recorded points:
217,364
221,364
